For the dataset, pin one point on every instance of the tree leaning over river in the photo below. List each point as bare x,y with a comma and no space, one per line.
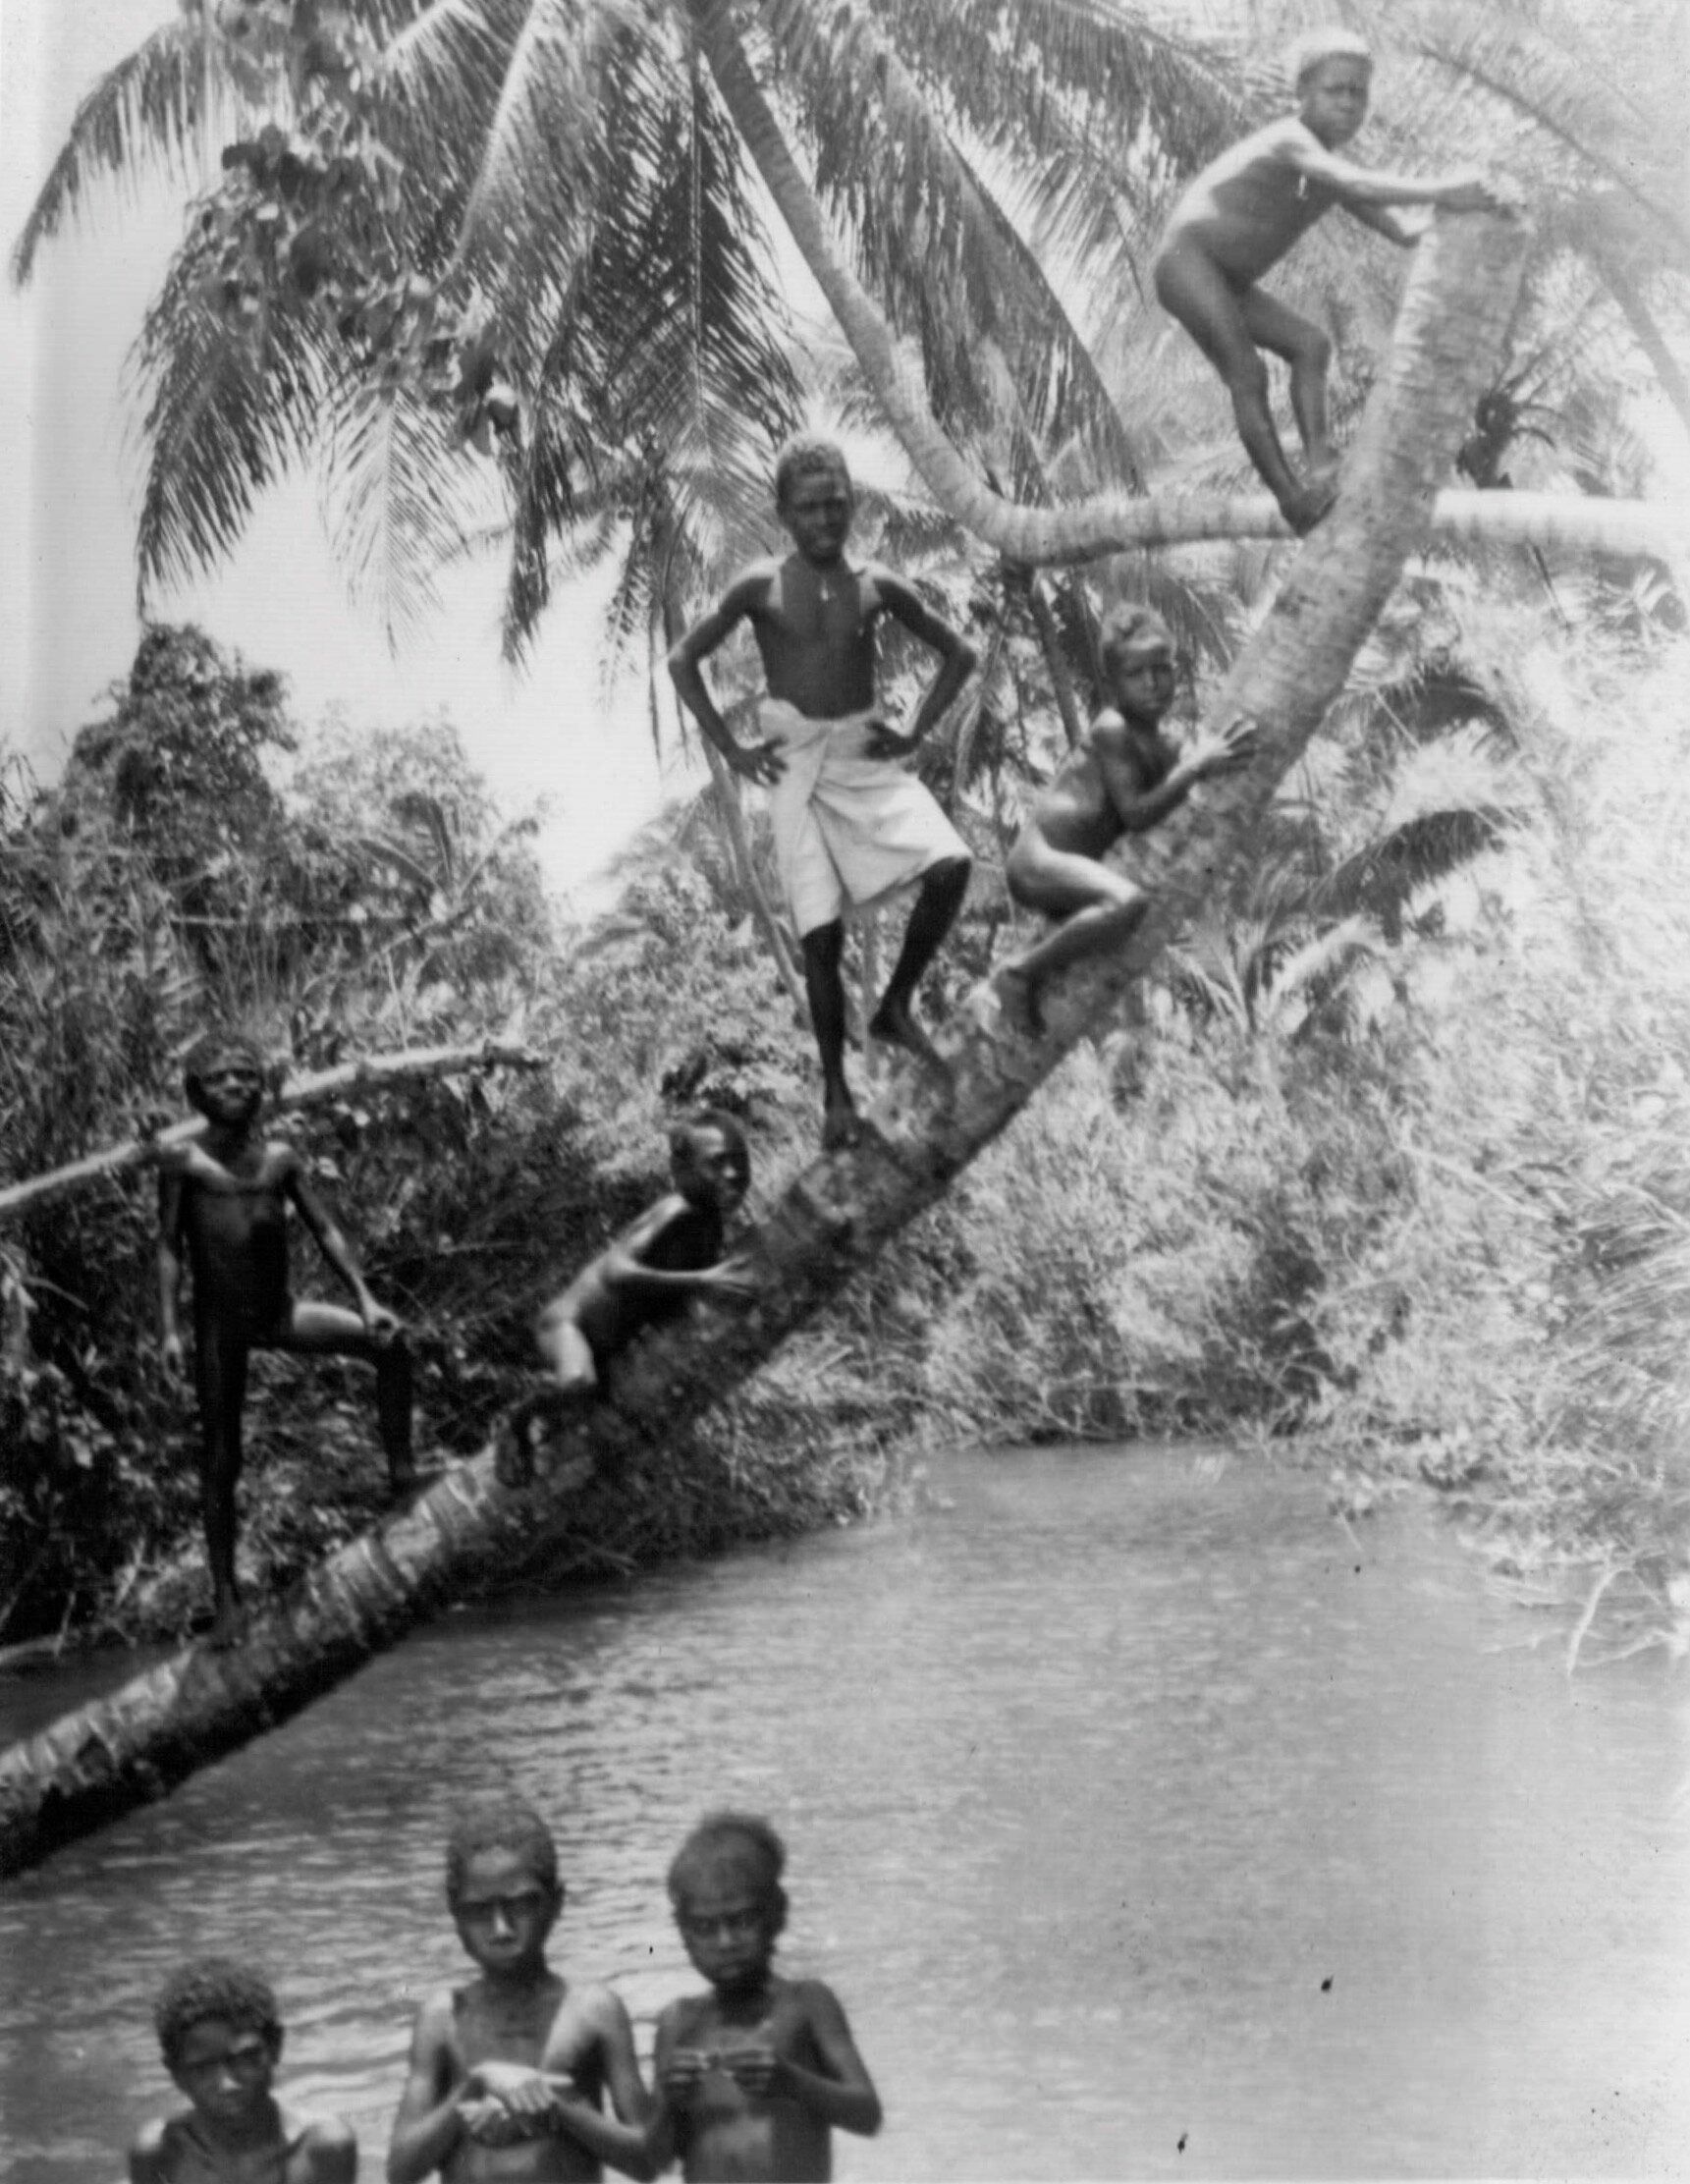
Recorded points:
838,1213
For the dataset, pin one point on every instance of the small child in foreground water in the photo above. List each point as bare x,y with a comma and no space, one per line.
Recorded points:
756,2074
508,2075
221,2037
644,1278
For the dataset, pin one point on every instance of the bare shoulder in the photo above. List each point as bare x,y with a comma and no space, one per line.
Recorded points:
599,2006
751,590
323,2149
1109,731
149,2150
436,2019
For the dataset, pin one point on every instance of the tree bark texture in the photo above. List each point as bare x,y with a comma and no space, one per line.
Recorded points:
375,1074
838,1213
1111,522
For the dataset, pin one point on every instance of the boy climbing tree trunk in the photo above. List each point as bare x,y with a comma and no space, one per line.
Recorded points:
839,1212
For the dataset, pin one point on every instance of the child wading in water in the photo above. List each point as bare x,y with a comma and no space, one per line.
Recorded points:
221,2037
1121,778
645,1277
851,825
1239,218
757,2074
508,2075
225,1202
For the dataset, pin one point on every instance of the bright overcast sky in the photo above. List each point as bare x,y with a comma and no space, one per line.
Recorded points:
67,624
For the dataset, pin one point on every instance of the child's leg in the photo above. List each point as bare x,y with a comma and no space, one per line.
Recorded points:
824,983
1282,332
943,887
220,1382
568,1353
1193,289
331,1331
1099,909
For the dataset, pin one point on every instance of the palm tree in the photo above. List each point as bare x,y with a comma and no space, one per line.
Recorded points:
831,1219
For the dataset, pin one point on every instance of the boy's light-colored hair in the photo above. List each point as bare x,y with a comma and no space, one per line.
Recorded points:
1128,628
1334,43
500,1823
802,456
739,1845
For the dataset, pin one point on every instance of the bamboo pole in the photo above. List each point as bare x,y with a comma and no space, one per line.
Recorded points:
373,1073
833,1218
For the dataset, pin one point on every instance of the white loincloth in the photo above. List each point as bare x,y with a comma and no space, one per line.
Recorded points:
849,830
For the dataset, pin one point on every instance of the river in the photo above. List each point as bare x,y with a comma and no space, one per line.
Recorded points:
1148,1823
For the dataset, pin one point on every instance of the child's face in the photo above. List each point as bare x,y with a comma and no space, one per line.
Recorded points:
817,511
1143,682
225,2069
231,1090
504,1912
1335,99
728,1930
711,1171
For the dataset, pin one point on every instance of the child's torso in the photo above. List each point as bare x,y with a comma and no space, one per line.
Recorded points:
193,2158
550,2034
235,1218
815,632
1251,204
733,2135
1076,811
689,1242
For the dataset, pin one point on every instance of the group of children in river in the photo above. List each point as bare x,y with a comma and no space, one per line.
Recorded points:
524,2075
508,2076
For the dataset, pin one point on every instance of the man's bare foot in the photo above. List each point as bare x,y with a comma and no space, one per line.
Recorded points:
1018,1001
1306,504
841,1122
894,1023
521,1452
228,1626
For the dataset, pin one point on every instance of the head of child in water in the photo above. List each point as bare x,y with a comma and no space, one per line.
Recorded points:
223,1076
711,1161
1137,651
502,1887
813,496
725,1885
220,2034
1333,70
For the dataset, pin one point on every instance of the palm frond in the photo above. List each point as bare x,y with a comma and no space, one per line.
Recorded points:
146,109
232,408
394,484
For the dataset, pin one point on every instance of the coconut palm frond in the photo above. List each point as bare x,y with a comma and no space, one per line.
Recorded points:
1382,878
542,146
231,407
395,492
149,108
1561,90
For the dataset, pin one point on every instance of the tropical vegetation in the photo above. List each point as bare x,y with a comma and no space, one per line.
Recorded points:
1385,1152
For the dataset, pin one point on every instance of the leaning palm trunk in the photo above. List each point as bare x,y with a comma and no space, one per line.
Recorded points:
1112,522
838,1214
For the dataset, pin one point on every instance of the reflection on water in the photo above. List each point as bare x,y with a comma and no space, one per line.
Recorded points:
1146,1821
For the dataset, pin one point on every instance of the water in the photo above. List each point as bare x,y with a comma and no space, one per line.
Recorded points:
1147,1822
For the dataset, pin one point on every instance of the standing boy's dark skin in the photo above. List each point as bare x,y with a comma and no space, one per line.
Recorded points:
508,2075
815,617
221,2039
1241,215
223,1204
757,2074
1123,778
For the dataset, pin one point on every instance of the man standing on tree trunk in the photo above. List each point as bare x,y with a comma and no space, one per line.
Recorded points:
851,826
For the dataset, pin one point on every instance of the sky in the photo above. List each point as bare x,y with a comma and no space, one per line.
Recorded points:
68,621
